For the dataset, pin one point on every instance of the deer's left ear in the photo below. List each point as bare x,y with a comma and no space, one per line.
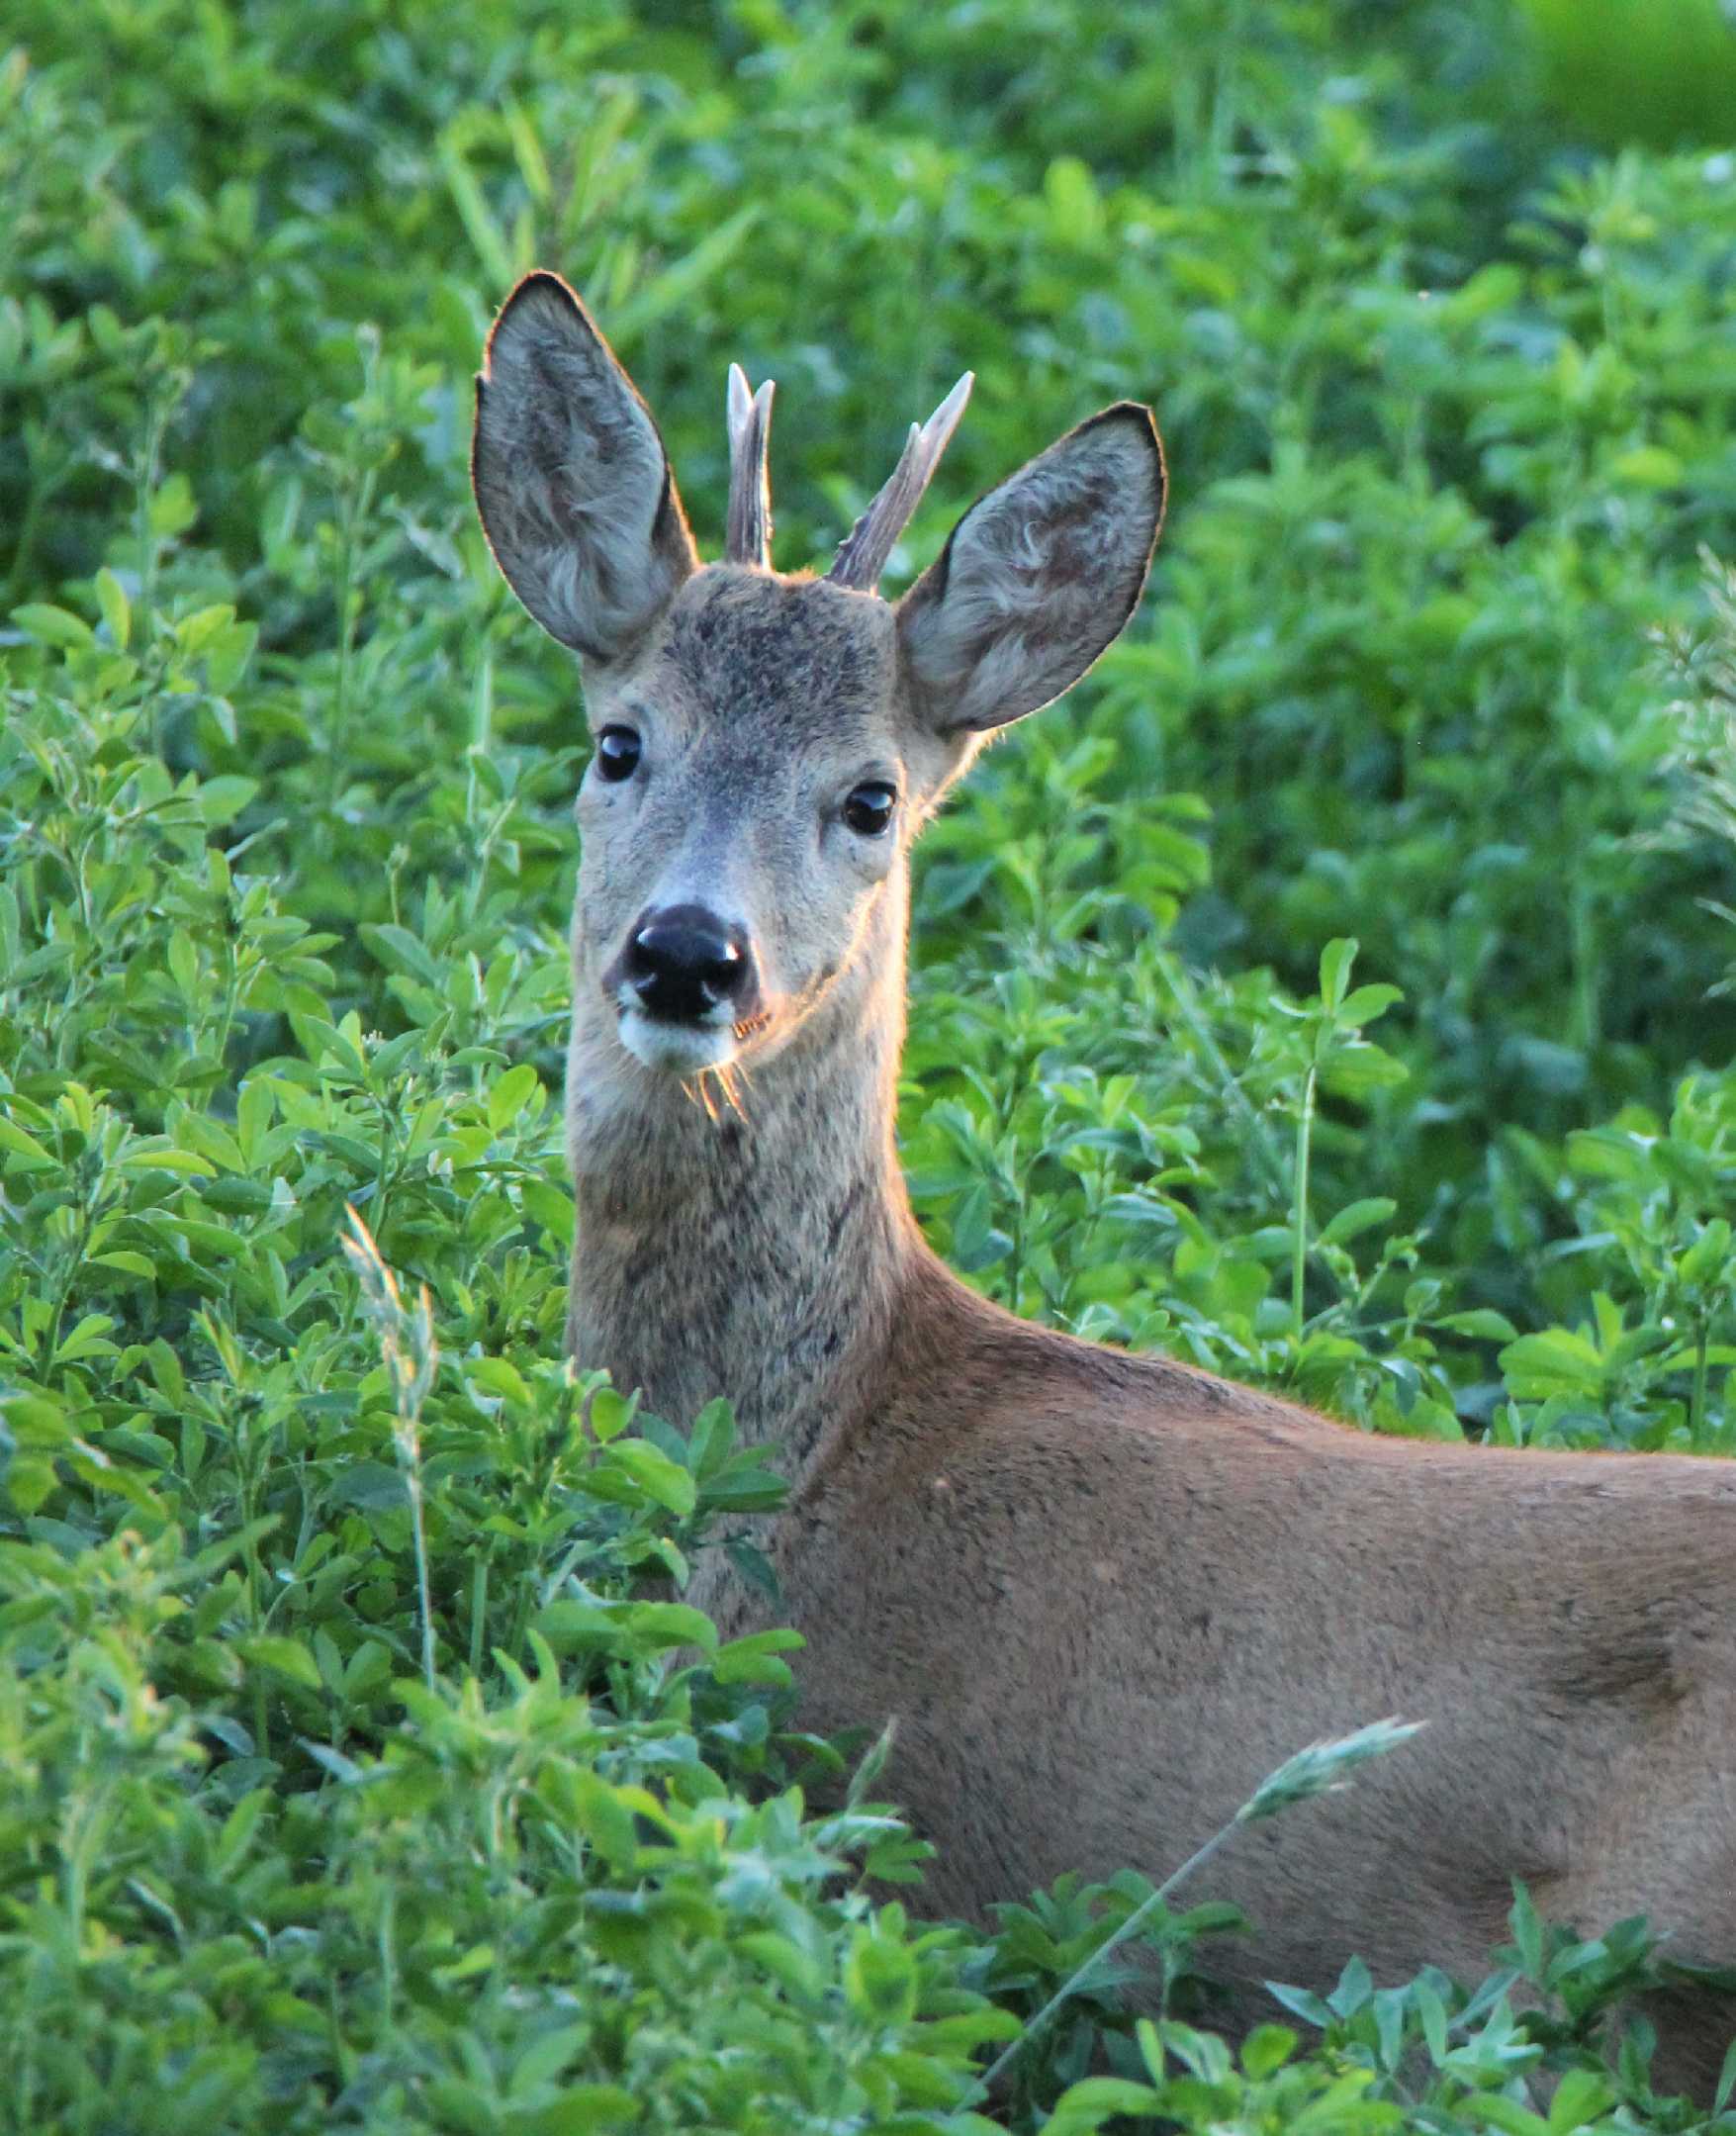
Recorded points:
571,478
1038,576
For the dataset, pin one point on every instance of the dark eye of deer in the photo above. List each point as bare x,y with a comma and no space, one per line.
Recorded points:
617,753
869,807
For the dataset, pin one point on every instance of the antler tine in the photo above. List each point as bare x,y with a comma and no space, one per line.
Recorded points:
748,539
863,554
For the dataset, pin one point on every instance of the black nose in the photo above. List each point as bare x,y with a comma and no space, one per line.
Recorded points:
683,961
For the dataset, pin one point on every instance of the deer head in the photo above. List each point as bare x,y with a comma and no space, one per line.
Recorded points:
766,746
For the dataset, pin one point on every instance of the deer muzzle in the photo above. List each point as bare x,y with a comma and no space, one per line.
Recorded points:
693,976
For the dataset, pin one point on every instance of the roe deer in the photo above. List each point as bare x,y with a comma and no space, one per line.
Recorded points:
1103,1594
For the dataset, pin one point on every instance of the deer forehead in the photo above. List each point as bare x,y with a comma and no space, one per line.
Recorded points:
766,662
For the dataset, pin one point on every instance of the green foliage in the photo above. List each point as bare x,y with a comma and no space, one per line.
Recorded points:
365,1768
1630,71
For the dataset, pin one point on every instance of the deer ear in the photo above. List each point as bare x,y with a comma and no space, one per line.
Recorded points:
571,476
1038,576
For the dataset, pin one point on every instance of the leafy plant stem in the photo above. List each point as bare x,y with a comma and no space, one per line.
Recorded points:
1070,1986
413,1482
387,1968
148,469
478,1603
68,1275
355,500
256,1607
1181,993
1316,1770
1298,1205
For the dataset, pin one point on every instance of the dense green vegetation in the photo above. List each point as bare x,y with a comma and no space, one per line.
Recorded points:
359,1773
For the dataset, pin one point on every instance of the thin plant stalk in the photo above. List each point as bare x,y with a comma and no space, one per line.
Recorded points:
354,503
148,469
411,1355
256,1622
479,1609
1320,1769
1298,1207
412,1479
1181,991
1071,1985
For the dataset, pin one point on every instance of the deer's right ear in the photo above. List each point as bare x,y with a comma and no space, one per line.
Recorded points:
1038,576
571,476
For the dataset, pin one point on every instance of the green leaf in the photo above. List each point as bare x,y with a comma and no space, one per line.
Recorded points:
1088,2103
50,625
753,1658
1528,1933
115,609
1558,1361
1726,2080
192,633
172,510
401,951
1267,2048
35,1420
1503,2113
790,1966
29,1482
711,1438
1647,467
1357,1217
604,1819
879,1981
1355,1987
1432,2017
510,1095
288,1658
495,1376
1580,2097
1483,1324
176,1161
657,1475
659,1625
222,799
25,1146
609,1413
1358,1069
228,655
551,1207
86,1340
548,2056
462,2106
579,2109
1336,960
1365,1004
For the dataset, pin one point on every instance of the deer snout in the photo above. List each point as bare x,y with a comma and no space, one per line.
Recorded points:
684,965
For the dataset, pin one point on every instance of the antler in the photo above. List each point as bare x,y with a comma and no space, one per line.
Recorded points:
862,556
748,539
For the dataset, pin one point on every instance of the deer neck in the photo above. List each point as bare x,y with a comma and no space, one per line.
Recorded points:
754,1249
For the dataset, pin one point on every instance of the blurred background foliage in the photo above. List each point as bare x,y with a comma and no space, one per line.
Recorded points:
1447,398
1438,308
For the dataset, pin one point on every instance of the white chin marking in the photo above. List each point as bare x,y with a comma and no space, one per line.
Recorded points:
677,1049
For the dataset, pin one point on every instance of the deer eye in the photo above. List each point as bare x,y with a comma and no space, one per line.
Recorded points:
868,808
617,754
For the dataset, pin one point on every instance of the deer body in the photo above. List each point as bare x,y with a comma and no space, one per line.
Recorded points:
1101,1594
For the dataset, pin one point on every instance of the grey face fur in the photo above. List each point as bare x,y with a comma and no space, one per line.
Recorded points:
732,873
760,706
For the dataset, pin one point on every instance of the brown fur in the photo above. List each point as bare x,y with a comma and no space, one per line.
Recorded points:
1101,1594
